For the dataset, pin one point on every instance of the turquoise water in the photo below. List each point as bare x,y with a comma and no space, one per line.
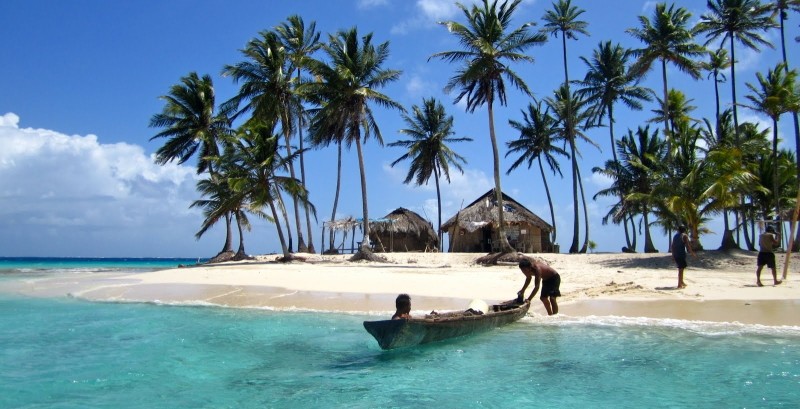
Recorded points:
67,353
10,266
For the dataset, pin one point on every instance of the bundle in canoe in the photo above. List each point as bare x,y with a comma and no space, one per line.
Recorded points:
392,334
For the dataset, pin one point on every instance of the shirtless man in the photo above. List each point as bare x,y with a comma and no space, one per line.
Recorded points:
549,279
403,304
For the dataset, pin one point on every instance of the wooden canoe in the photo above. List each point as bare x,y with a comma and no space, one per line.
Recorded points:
392,334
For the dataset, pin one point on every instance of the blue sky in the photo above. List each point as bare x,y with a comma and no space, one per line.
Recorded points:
79,81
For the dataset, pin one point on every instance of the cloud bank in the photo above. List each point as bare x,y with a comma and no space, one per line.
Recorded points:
70,195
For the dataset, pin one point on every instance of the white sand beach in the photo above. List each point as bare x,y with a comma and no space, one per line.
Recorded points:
721,286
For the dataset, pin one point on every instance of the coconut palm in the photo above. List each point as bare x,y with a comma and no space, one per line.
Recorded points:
430,129
622,182
732,21
563,18
678,110
776,94
643,154
570,110
346,88
488,45
717,61
192,124
537,133
300,42
267,89
260,175
666,39
607,81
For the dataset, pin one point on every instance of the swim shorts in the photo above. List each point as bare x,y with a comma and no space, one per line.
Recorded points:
680,261
765,258
550,286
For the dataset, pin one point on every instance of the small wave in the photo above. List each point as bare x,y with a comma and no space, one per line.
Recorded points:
705,328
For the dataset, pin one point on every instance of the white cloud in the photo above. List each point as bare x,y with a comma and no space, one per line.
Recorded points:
429,12
417,86
67,190
365,4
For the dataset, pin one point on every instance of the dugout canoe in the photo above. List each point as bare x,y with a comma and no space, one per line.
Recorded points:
392,334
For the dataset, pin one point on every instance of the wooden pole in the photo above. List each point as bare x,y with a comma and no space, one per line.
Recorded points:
792,231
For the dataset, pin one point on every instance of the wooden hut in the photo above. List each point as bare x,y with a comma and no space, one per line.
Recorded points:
474,229
403,230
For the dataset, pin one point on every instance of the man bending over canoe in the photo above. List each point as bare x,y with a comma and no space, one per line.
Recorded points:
549,279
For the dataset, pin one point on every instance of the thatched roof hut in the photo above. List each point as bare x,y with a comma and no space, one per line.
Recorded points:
403,230
474,229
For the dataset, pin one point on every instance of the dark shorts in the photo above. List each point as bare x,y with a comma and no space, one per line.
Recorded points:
680,261
550,287
766,259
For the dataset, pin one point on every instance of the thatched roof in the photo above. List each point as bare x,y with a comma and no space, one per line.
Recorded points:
483,212
342,224
403,221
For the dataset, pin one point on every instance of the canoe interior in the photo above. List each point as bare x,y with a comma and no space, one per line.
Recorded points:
392,334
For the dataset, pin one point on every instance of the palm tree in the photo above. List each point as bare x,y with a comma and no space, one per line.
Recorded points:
717,61
678,110
430,128
345,89
300,42
643,154
782,8
563,18
776,95
607,81
668,40
268,91
488,44
259,176
537,132
569,111
735,20
191,126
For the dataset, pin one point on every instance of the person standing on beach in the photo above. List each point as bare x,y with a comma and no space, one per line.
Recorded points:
680,245
767,242
403,304
549,279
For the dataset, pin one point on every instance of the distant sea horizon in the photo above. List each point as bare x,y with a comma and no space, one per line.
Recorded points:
10,265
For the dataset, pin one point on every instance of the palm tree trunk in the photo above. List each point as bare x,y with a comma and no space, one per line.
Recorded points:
716,98
338,188
573,248
775,193
648,239
549,200
566,71
284,249
300,125
282,207
228,234
240,254
748,242
733,94
440,235
365,210
301,244
505,247
585,216
616,162
667,135
633,232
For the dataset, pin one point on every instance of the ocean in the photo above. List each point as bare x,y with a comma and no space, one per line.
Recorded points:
68,353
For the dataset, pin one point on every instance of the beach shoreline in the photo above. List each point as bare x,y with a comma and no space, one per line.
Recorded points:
721,286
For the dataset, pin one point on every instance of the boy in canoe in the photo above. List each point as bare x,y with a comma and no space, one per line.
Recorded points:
550,282
403,304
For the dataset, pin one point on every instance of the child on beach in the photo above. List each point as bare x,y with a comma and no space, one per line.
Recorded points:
403,305
680,245
767,242
549,279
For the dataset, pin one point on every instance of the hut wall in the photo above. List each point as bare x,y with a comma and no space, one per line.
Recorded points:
463,241
400,242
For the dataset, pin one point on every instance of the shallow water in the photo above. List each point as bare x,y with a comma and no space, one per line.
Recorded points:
68,353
